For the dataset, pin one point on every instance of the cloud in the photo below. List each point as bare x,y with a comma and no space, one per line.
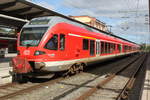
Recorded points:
123,15
107,8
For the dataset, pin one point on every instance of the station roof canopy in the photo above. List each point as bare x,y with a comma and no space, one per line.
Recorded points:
17,12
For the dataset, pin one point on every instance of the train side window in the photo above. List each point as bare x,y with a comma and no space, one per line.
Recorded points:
111,48
119,47
114,47
92,47
125,48
85,44
106,47
102,47
97,47
52,44
62,42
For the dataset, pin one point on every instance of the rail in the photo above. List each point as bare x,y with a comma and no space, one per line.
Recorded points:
29,88
108,79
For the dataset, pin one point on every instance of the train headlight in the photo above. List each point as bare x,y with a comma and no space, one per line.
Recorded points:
39,53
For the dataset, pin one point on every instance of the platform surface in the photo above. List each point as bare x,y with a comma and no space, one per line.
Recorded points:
146,87
5,68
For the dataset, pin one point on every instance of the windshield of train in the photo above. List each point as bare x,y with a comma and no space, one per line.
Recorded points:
31,36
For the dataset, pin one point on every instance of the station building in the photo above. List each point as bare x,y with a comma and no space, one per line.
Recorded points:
92,21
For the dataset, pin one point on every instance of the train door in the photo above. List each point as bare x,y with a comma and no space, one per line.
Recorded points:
92,47
97,47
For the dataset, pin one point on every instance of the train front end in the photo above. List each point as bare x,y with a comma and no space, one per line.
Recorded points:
31,49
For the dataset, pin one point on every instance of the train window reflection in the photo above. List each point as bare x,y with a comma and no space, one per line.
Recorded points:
52,43
62,41
102,47
92,47
85,44
31,36
119,47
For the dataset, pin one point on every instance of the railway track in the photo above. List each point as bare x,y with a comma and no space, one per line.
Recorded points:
122,94
13,89
125,92
60,88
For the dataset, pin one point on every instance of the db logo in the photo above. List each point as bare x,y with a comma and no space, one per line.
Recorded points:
26,52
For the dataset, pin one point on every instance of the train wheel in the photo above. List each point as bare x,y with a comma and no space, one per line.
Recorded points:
73,69
76,68
69,72
81,67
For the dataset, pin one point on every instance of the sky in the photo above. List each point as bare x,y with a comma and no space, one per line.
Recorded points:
128,18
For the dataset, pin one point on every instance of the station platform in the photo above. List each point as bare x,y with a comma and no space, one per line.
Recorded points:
146,86
5,68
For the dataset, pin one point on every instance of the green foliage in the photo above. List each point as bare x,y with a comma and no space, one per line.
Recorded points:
145,47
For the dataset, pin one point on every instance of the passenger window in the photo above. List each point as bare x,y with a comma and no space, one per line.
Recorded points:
125,48
111,47
62,42
119,47
102,47
114,47
106,47
97,47
52,44
92,47
85,44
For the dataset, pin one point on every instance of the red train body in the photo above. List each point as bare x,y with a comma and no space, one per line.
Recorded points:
53,44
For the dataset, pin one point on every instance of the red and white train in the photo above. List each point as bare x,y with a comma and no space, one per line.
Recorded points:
54,44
